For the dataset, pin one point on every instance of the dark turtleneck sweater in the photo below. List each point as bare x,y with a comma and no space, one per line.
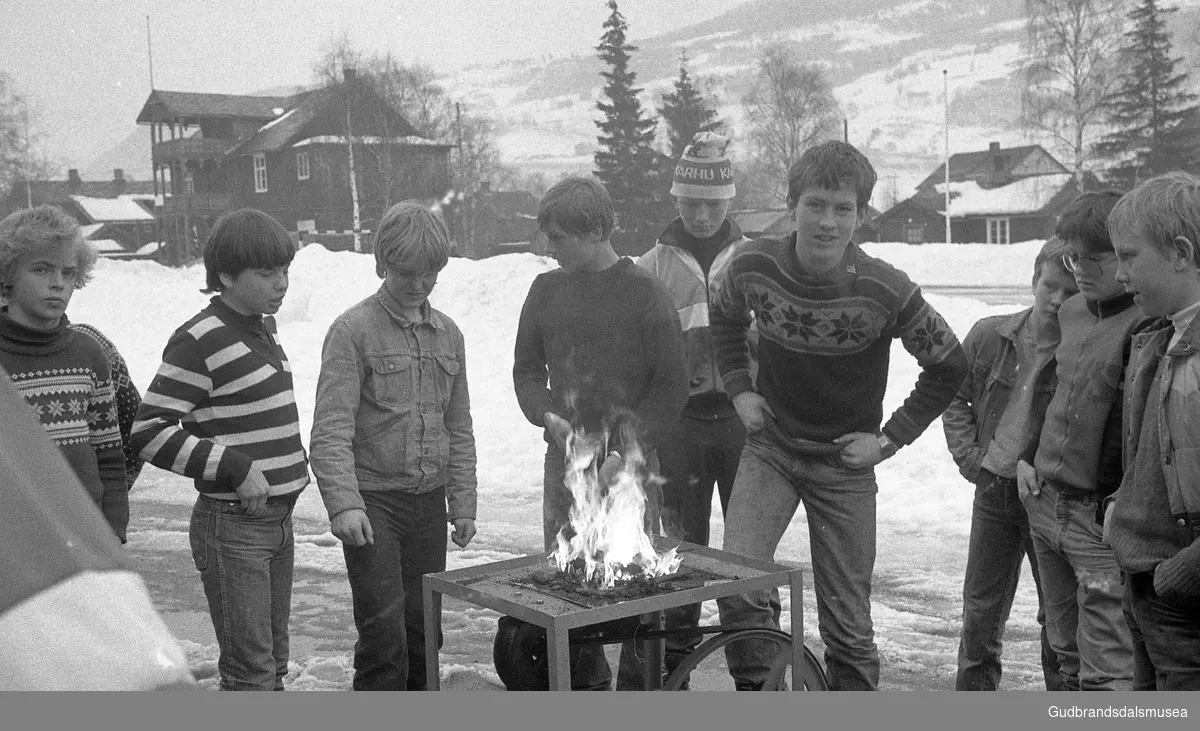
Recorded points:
64,377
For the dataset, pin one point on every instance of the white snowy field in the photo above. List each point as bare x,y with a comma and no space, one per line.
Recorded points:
923,506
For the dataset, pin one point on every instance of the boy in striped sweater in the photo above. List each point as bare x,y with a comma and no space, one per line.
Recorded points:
827,313
63,375
222,411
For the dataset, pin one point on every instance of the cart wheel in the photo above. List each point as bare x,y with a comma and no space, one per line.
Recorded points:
813,674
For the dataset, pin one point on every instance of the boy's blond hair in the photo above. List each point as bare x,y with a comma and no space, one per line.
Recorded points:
578,206
411,235
1162,209
36,229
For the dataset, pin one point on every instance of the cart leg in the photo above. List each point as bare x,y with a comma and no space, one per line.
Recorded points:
433,621
796,582
558,654
653,652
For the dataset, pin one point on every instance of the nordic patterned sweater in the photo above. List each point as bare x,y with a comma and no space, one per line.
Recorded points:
64,377
221,401
126,395
825,342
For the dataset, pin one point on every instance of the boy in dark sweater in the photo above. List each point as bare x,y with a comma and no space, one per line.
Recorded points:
1078,460
63,375
1153,520
827,314
222,410
598,341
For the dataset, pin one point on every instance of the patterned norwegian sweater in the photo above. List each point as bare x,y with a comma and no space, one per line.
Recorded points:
825,342
222,400
126,394
64,377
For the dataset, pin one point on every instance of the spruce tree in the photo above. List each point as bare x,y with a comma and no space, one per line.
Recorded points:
686,112
1150,102
626,162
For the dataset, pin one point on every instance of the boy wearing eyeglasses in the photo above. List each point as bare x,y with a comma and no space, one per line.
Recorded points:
1078,459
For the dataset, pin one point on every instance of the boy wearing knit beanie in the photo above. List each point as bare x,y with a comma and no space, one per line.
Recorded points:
1153,521
691,251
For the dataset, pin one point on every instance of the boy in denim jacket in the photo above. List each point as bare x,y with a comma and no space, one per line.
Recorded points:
392,445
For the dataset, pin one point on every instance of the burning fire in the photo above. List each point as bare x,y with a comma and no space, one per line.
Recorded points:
606,543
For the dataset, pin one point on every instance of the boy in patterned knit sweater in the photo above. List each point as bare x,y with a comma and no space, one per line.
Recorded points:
1153,520
222,411
827,314
63,375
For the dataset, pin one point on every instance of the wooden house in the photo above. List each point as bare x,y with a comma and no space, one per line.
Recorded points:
289,156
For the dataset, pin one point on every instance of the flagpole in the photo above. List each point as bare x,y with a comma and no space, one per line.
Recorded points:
946,104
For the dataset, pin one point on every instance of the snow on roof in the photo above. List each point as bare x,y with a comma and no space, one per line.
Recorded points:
107,245
367,140
90,229
1021,196
102,210
158,199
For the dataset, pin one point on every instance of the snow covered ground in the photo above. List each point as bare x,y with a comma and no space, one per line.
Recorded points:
924,506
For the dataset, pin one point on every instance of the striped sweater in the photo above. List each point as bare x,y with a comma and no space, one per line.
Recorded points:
222,400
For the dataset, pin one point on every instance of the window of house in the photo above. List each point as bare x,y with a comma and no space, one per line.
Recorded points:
997,231
189,181
914,232
260,173
302,171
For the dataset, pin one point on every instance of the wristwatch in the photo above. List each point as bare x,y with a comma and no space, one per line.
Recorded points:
887,447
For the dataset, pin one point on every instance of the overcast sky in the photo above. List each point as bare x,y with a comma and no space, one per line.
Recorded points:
84,64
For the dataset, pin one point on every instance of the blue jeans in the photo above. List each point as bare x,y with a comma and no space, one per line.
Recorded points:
999,543
840,505
1166,638
1081,592
245,564
385,582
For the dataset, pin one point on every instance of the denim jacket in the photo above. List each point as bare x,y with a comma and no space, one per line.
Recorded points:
392,408
971,419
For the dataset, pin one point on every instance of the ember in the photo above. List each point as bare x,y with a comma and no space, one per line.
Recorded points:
606,544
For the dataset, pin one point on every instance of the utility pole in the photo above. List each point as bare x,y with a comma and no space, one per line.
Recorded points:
946,100
846,131
28,160
467,244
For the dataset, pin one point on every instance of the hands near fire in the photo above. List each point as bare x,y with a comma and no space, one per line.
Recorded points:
558,427
353,528
753,410
1027,481
464,531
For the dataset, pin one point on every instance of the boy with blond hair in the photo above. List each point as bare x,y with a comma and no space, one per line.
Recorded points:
63,375
1152,522
393,446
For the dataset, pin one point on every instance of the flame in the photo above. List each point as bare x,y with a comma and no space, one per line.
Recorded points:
606,543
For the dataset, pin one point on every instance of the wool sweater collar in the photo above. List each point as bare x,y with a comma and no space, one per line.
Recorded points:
23,340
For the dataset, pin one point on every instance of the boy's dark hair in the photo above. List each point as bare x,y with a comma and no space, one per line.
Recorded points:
1085,220
1161,209
29,230
245,239
578,206
830,165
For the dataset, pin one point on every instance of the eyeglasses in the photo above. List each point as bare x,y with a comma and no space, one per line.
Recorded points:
1088,266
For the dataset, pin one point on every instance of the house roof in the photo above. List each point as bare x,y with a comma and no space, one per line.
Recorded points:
107,210
1027,195
57,191
757,221
963,164
185,104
